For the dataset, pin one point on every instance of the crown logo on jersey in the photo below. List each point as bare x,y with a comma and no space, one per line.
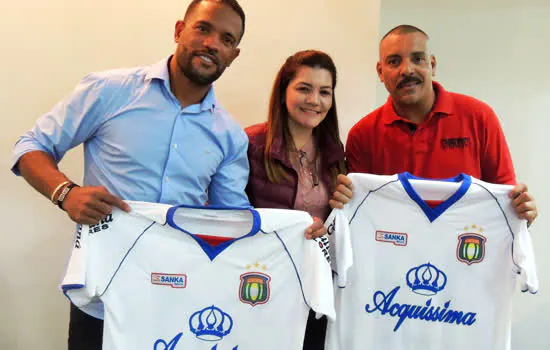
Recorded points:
210,323
471,245
426,279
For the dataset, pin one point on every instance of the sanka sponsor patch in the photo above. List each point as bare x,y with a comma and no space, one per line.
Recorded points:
396,238
169,279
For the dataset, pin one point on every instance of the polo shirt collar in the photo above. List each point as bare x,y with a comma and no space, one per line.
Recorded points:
159,71
443,106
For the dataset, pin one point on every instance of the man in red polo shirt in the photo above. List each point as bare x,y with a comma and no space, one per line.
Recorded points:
425,130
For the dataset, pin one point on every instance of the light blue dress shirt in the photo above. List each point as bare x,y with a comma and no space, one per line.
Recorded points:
141,145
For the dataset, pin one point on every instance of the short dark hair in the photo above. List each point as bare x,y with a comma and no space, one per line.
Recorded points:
404,29
234,4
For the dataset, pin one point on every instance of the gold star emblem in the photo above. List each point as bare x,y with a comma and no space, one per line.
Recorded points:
473,228
256,264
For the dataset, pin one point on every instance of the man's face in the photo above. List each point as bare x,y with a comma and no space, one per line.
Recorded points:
207,41
406,68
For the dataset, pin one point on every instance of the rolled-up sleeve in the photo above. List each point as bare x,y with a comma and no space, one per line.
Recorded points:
68,124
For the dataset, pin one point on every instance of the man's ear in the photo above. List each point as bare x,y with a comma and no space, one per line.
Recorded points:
379,71
235,55
433,63
178,28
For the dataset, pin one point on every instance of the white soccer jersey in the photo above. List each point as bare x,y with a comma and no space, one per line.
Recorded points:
413,277
164,287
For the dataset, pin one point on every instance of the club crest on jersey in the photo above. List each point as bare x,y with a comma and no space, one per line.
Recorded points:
169,279
397,238
471,247
255,288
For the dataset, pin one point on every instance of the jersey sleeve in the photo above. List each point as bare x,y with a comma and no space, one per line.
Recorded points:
77,283
341,252
522,246
318,289
524,257
98,254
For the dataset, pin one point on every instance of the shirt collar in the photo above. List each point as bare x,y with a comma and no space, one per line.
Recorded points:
209,101
443,106
159,71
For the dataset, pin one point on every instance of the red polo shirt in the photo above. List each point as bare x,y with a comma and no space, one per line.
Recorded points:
461,134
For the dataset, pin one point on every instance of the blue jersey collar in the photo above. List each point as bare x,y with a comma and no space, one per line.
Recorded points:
213,251
434,213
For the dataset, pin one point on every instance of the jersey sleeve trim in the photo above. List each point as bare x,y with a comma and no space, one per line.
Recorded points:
522,252
504,216
124,259
366,196
293,265
66,287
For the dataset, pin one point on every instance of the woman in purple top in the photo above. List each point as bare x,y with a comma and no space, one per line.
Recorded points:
296,155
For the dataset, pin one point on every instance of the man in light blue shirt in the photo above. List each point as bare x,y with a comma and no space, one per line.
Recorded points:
153,134
140,143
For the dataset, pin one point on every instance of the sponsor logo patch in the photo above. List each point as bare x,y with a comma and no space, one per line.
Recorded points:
169,279
426,281
399,239
455,143
324,245
102,225
209,325
78,237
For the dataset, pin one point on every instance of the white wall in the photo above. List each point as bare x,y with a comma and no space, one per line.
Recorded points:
498,51
47,46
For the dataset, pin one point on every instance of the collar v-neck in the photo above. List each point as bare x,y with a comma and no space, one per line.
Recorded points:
434,213
213,251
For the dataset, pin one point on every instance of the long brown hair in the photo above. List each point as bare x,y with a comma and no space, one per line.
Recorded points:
277,121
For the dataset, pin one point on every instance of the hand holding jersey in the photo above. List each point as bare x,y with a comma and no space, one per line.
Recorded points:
415,276
522,201
162,284
90,204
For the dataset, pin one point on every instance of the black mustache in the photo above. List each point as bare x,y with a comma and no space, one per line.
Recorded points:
408,80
